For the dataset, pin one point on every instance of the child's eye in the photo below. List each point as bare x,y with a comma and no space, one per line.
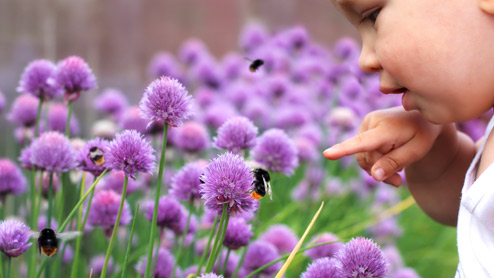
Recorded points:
371,15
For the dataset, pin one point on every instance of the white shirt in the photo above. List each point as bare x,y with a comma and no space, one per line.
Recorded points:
476,220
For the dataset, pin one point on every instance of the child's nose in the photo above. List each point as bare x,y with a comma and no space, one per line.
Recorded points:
368,60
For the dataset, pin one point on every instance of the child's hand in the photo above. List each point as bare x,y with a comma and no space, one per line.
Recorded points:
388,140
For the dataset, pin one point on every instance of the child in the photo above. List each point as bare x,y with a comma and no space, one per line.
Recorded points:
439,55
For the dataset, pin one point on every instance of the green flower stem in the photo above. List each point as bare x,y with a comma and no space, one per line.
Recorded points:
226,261
161,236
38,118
129,245
9,262
115,228
152,233
65,178
217,242
50,200
34,221
79,228
220,242
237,269
257,271
182,240
69,117
206,249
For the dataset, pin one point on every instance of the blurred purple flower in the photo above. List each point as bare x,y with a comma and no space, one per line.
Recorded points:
226,181
111,102
131,119
46,184
295,38
276,152
179,228
3,102
258,110
232,64
170,212
238,233
346,48
393,258
104,210
208,73
96,264
186,183
11,178
42,223
165,100
53,152
106,129
25,158
68,255
327,250
322,268
238,92
115,181
386,230
164,264
306,149
282,237
131,153
14,237
192,50
74,76
192,137
361,258
205,96
37,80
165,64
276,59
236,134
210,275
218,113
405,272
24,110
92,157
291,116
57,119
253,35
260,253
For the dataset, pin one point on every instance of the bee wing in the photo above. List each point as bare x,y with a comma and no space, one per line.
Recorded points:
33,234
68,235
267,187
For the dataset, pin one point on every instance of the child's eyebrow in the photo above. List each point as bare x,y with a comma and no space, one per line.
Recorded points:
344,3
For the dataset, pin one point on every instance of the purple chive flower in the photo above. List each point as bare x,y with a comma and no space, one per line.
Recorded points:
327,250
3,102
68,256
111,102
393,258
92,157
231,265
291,116
74,75
37,80
218,113
14,237
236,134
192,137
233,64
282,237
405,272
57,119
276,151
165,100
295,38
53,152
253,36
96,264
45,187
170,212
24,110
165,64
11,178
208,73
186,183
131,153
386,230
227,179
42,223
164,264
260,253
192,50
306,149
346,48
104,210
322,268
115,180
131,119
361,258
105,129
238,233
210,275
25,158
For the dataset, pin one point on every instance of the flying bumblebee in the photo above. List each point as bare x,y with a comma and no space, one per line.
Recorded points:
96,155
48,240
261,184
255,65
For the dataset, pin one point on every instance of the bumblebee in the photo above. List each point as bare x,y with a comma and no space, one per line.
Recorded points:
48,240
255,65
96,155
261,184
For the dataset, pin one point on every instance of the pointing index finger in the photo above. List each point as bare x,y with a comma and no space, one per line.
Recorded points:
369,140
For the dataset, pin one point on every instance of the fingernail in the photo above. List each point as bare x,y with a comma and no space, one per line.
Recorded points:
329,150
379,174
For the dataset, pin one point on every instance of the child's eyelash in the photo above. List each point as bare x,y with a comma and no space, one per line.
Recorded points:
370,15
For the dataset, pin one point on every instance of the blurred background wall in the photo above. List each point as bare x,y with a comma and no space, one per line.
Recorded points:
119,37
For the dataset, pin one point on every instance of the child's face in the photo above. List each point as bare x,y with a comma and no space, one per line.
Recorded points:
440,54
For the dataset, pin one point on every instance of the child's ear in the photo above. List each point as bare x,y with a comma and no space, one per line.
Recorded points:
487,6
